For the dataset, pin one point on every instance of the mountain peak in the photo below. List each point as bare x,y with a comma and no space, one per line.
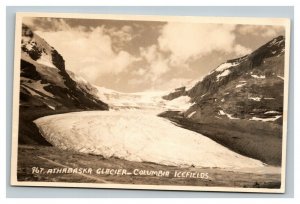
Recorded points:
274,47
238,86
37,49
45,79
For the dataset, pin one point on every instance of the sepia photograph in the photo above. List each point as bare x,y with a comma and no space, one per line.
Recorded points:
150,102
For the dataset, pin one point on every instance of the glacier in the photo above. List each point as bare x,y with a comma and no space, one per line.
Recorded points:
138,135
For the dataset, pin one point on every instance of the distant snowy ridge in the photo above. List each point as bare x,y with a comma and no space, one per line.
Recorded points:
142,100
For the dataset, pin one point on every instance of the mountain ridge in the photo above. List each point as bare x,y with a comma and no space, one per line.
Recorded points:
244,78
47,87
239,104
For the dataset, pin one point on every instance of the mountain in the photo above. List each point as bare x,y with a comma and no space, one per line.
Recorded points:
239,104
46,87
249,88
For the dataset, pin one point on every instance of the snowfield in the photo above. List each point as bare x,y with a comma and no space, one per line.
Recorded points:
151,100
138,135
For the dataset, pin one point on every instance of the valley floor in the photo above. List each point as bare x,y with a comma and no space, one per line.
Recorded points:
52,157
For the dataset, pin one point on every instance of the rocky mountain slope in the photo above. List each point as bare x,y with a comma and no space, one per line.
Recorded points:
250,87
46,87
240,103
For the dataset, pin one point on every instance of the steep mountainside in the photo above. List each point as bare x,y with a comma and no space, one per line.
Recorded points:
151,100
240,103
46,87
45,81
250,87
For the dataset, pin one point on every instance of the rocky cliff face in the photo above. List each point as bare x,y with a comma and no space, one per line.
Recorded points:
250,88
45,82
46,87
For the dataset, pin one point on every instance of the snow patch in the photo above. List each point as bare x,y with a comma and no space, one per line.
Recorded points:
266,119
41,88
226,65
181,103
270,112
258,76
240,85
224,73
52,107
45,60
32,92
231,117
275,42
191,114
254,98
29,46
280,77
36,87
221,112
203,95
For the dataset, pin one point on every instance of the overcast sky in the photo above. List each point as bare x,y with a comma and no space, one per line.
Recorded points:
132,56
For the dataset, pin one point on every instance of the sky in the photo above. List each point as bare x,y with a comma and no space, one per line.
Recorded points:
134,56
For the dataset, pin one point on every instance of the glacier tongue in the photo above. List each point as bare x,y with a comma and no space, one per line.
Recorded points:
138,135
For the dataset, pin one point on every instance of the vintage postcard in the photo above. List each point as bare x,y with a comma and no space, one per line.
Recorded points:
150,102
